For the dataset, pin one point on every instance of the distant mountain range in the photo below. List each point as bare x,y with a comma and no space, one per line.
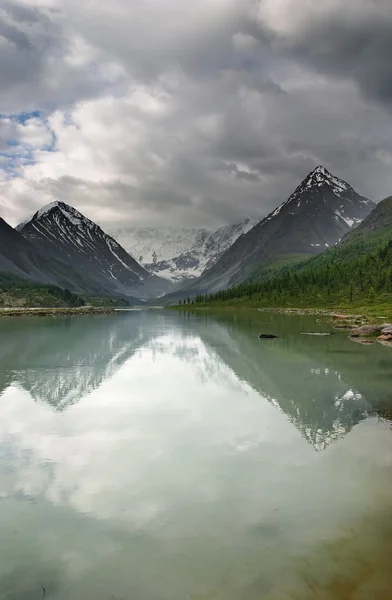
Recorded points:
180,254
59,245
316,216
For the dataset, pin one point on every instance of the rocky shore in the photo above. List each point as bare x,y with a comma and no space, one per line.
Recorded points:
360,330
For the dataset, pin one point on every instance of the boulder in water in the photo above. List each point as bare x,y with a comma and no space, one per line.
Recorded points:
366,330
386,334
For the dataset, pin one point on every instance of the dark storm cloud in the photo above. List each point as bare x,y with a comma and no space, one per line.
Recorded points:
171,113
39,64
11,34
350,39
20,12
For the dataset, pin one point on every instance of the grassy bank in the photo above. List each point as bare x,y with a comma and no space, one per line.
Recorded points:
371,313
355,276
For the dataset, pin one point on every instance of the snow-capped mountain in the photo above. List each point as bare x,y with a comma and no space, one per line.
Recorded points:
180,254
154,244
317,215
100,264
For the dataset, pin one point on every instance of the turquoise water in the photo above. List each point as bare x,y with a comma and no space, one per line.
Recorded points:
164,456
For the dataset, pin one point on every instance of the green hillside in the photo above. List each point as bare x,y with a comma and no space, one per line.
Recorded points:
18,292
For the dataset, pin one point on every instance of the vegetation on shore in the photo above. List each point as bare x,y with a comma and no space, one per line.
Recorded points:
355,276
105,301
18,292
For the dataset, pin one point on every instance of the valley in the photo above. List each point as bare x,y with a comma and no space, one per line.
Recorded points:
195,300
325,246
180,255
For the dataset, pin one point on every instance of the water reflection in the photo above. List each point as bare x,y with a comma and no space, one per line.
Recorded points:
59,361
325,385
158,456
319,383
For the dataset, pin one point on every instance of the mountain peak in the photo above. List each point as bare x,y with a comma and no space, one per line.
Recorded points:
316,216
320,169
46,209
67,211
320,176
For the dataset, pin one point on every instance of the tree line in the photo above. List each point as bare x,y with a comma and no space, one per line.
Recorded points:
348,273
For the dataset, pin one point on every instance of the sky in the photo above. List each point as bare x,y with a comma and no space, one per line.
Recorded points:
190,114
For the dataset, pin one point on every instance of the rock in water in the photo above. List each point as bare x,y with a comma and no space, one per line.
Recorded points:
386,334
267,336
366,330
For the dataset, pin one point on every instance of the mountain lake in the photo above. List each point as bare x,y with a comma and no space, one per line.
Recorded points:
164,455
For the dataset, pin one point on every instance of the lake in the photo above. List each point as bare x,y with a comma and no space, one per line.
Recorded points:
156,455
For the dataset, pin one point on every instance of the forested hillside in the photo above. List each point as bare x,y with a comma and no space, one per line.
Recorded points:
357,271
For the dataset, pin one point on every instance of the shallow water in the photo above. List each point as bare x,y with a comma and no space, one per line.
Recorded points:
165,456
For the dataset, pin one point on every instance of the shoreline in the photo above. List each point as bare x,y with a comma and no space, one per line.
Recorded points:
367,314
55,311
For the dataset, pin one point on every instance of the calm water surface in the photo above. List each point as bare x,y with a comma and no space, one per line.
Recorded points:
165,456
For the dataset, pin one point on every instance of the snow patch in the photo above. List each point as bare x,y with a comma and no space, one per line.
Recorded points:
347,220
45,210
110,246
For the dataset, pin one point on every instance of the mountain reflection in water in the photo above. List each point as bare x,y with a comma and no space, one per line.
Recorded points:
157,455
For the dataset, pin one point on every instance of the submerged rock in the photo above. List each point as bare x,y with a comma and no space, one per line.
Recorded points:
267,336
363,341
348,322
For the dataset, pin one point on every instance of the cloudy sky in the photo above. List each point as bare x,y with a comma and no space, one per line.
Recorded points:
171,112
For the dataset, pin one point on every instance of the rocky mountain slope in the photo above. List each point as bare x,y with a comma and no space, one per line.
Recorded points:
180,254
316,216
356,272
95,261
20,257
379,220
